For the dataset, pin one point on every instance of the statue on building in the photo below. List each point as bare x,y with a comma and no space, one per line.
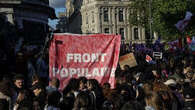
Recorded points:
69,7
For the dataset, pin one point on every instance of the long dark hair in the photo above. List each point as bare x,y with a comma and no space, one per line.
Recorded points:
82,101
6,87
72,85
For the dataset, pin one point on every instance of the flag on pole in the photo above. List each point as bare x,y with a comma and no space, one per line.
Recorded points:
149,60
188,39
183,23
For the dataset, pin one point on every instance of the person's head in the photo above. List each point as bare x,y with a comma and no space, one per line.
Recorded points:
132,106
82,100
54,98
37,89
82,83
126,67
35,79
19,81
177,70
106,85
92,84
6,88
36,105
126,92
72,86
153,99
55,82
147,88
165,95
188,94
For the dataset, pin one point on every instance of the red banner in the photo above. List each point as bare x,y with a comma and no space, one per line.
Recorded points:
92,56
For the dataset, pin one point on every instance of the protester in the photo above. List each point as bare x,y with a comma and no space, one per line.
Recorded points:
167,84
54,85
53,101
40,94
19,82
6,94
83,102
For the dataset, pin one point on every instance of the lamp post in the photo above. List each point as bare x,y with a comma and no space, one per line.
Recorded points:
150,20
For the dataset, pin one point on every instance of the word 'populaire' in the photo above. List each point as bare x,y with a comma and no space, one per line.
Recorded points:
86,57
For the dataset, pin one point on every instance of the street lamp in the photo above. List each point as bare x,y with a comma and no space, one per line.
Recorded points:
150,19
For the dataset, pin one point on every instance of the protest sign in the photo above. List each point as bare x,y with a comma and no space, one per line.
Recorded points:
127,59
157,55
183,23
92,56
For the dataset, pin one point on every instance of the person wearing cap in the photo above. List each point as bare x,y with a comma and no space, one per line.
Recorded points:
18,85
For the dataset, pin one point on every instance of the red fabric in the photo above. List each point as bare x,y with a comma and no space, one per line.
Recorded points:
148,58
92,56
188,39
180,43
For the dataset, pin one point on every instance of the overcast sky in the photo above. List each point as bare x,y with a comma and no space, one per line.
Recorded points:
59,6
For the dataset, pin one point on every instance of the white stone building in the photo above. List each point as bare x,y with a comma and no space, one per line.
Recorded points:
104,16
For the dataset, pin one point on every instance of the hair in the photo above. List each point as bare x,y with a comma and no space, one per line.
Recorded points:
147,88
67,103
83,79
6,87
73,84
132,105
106,85
129,92
115,99
54,98
82,101
154,100
96,88
95,85
35,77
55,82
18,77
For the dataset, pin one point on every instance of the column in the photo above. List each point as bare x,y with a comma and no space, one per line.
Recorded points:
113,20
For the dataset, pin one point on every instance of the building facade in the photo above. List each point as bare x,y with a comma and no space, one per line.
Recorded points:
104,16
29,16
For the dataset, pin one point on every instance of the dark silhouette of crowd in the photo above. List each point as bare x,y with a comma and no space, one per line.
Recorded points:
168,84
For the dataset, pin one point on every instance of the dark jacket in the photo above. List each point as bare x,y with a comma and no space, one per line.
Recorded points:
189,105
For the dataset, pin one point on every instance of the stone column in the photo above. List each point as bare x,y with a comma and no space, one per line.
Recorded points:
132,29
99,19
113,21
116,20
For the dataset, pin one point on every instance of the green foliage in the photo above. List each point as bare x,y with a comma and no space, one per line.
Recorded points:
140,13
165,14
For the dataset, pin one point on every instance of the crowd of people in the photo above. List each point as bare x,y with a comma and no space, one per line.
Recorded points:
168,84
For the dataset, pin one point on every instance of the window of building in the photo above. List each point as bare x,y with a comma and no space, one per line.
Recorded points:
106,30
122,33
121,15
93,17
105,15
136,34
86,19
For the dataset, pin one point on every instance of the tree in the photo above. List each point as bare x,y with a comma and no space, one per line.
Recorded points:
140,14
165,14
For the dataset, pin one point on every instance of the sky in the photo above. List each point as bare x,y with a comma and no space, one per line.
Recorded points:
59,6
